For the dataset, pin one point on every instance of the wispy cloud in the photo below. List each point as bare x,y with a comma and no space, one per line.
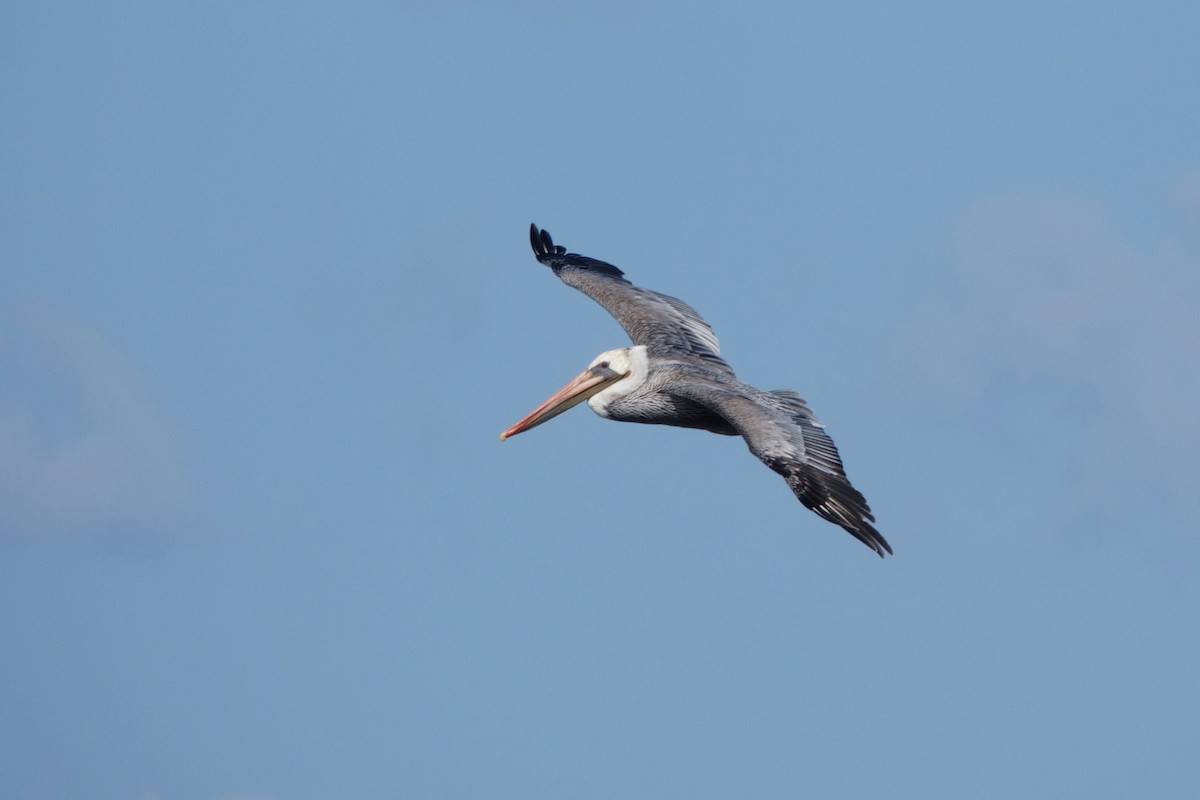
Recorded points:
1051,291
82,447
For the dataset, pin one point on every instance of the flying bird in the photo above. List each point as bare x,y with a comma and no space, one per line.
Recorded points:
674,375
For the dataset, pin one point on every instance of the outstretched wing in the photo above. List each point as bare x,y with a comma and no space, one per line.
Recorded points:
782,431
665,325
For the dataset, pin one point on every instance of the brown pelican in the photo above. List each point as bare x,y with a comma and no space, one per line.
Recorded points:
674,375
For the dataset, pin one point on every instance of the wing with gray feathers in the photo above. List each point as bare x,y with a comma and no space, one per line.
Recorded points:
782,431
665,325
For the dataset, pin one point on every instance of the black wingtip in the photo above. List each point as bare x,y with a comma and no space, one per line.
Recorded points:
542,244
865,532
881,545
557,258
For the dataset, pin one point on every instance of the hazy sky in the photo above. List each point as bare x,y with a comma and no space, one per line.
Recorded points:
268,300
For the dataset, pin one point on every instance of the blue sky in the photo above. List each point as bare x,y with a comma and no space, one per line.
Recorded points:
268,301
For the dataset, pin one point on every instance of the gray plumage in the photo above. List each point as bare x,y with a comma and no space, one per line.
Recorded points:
686,383
665,325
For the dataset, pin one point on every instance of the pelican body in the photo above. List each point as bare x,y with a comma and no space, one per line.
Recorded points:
674,375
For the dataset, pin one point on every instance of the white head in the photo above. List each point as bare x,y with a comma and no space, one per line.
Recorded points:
611,374
629,362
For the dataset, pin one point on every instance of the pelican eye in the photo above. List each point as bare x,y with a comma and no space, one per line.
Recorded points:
602,365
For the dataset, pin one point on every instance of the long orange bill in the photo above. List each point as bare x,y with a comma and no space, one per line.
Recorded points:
581,388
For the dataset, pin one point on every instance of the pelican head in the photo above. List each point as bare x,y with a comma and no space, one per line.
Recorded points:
604,379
